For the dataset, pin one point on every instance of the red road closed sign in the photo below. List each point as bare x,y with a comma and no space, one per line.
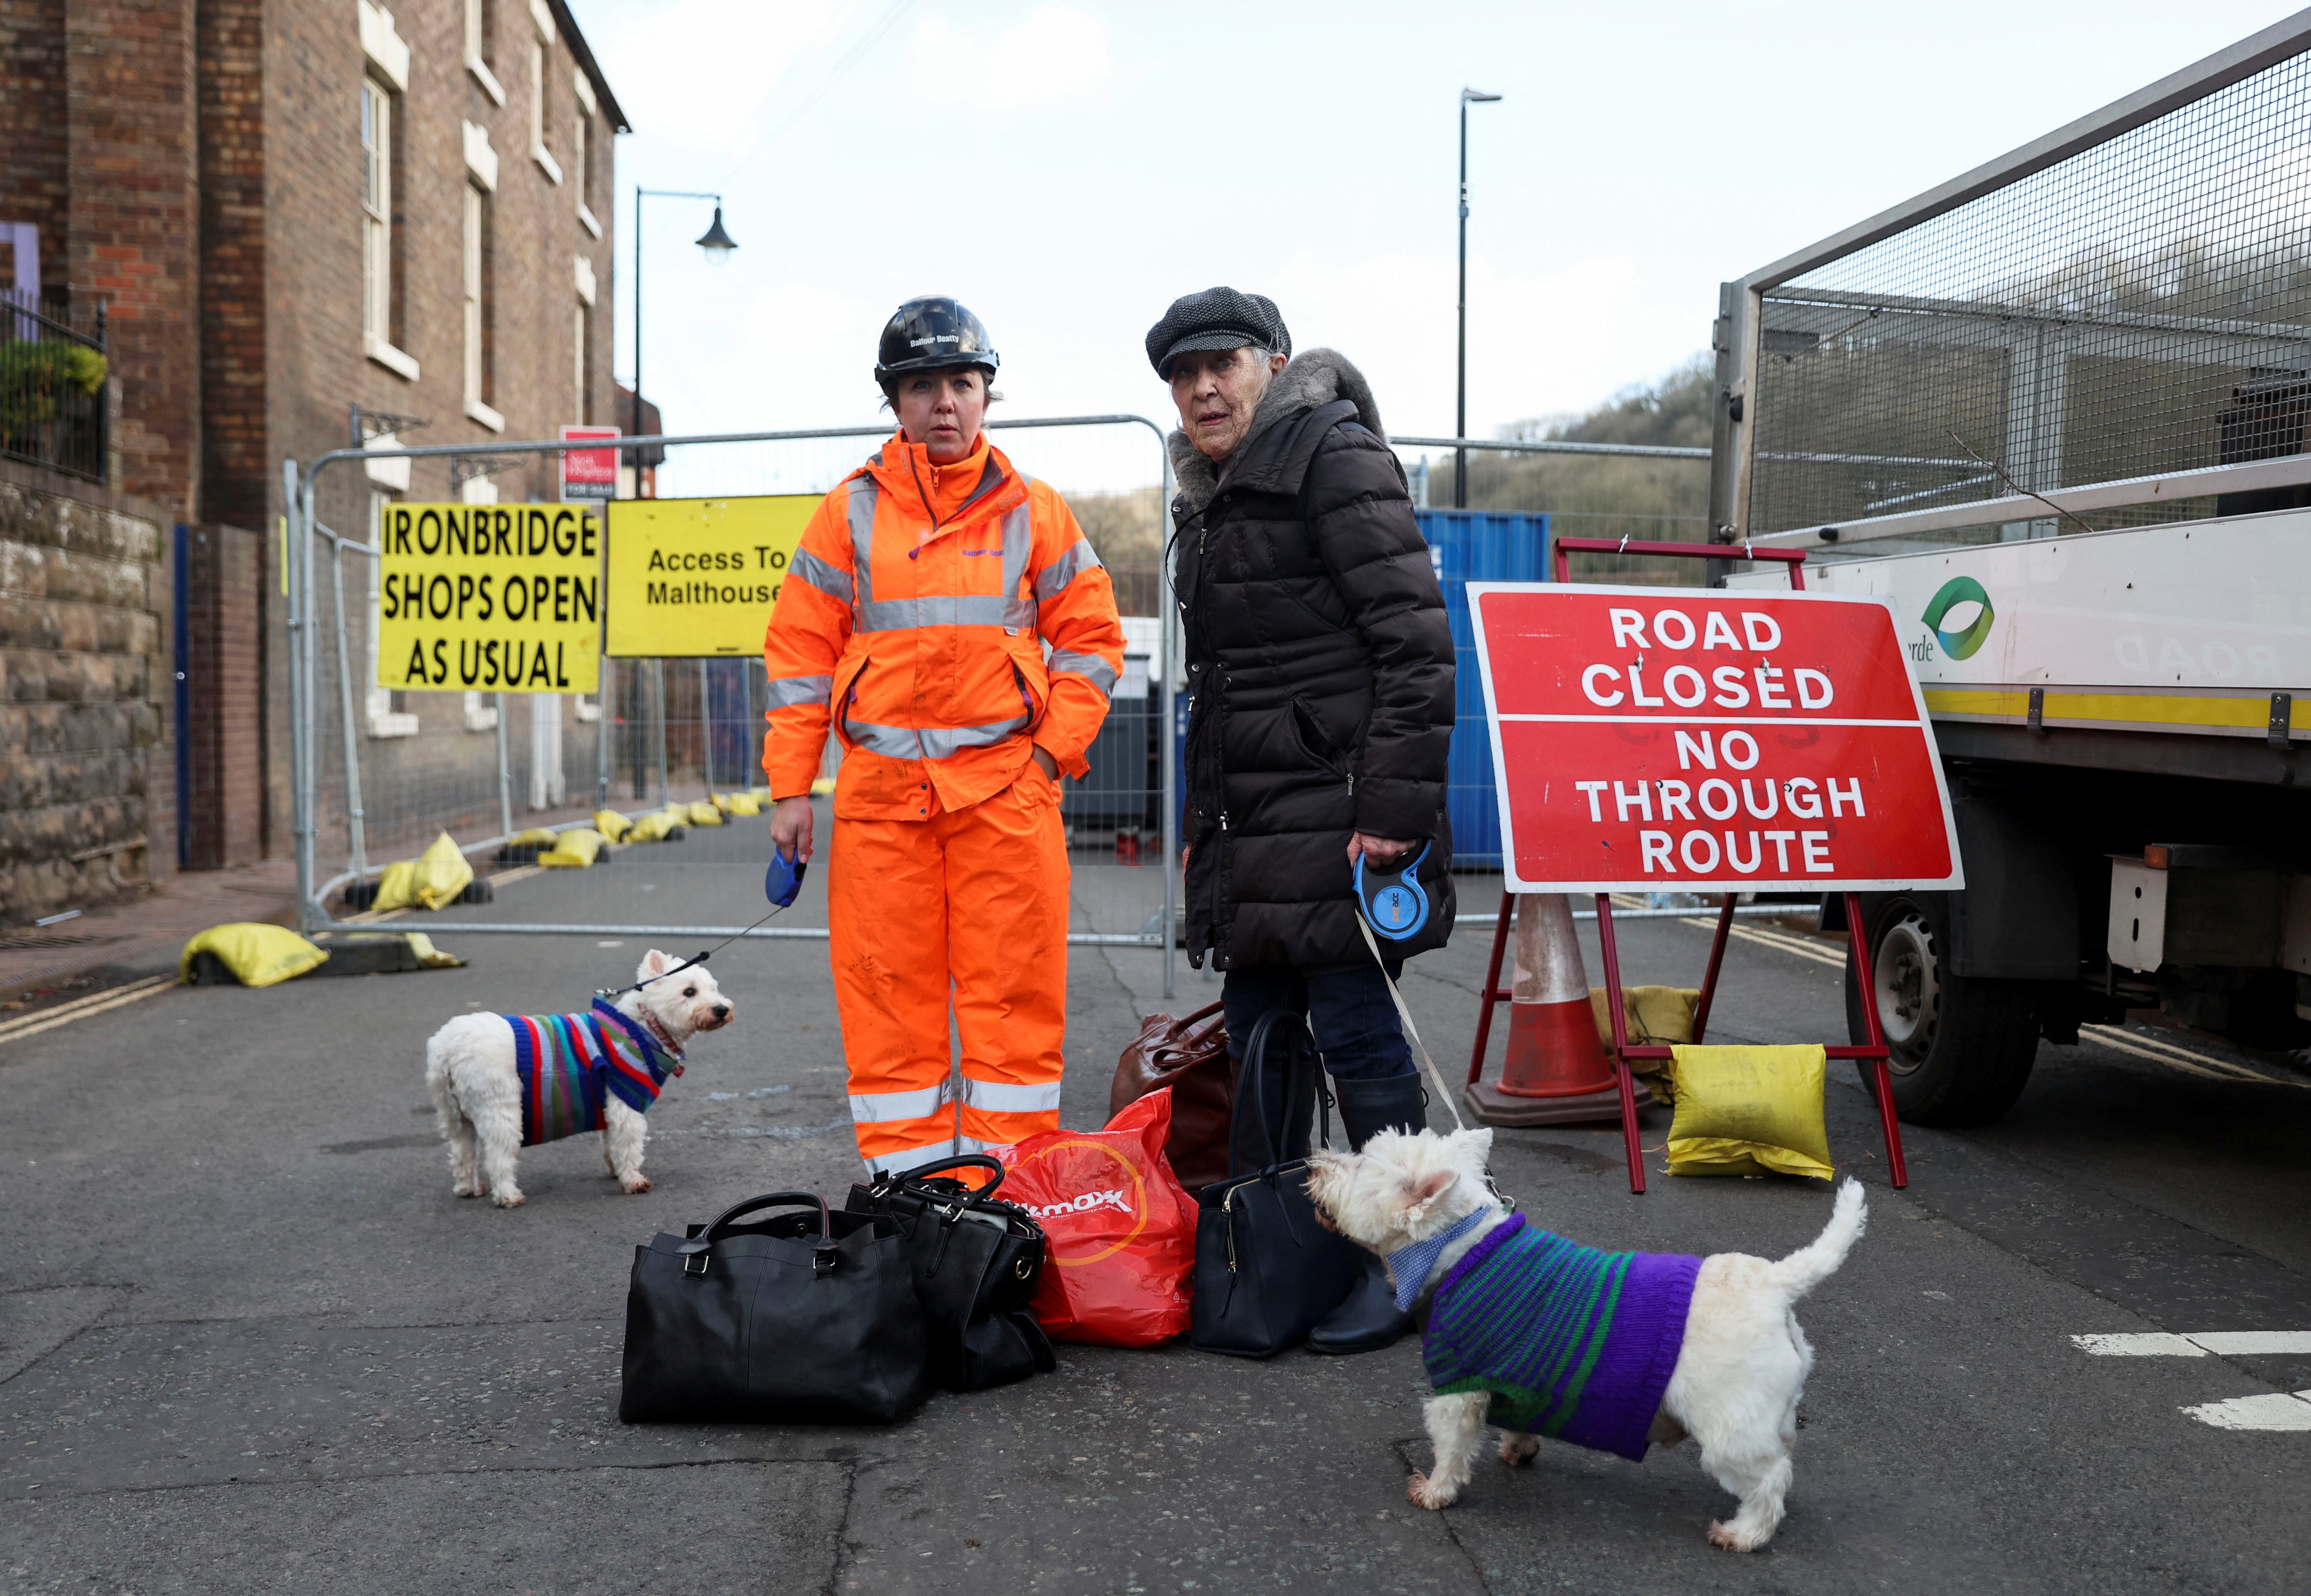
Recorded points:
1664,739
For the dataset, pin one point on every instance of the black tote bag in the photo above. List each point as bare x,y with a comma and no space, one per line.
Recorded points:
807,1318
1265,1270
977,1260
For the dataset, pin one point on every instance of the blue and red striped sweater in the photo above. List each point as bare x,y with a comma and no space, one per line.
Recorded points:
568,1064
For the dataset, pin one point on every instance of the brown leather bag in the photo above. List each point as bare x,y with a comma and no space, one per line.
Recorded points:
1190,1056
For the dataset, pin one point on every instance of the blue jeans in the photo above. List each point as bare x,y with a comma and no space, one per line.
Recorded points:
1348,1010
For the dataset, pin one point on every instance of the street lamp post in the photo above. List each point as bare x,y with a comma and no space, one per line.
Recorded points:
718,245
1461,412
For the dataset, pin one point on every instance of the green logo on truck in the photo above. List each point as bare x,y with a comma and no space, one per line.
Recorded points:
1957,590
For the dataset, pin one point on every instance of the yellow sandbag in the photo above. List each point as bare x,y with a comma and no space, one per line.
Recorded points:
736,802
613,825
822,787
258,956
442,872
397,886
430,956
576,849
1749,1111
1653,1017
705,813
537,837
650,828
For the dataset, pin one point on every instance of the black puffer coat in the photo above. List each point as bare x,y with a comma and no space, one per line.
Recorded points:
1321,668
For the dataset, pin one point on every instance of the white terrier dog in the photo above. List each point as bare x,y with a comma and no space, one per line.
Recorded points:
503,1082
1606,1350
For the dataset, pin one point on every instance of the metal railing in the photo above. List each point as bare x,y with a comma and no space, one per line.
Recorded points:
52,377
637,719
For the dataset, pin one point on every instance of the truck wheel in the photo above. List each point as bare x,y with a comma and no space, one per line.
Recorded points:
1962,1046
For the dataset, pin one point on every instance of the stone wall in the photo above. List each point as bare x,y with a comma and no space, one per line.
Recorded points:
86,796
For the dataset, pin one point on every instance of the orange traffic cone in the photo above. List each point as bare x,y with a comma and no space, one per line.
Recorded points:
1556,1072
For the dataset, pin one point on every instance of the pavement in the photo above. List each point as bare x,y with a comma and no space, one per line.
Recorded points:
250,1342
138,936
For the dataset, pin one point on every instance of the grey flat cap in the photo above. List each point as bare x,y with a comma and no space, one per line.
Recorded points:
1216,318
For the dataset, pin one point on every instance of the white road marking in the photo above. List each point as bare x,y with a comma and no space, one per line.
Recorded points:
2156,1344
82,1008
2272,1410
2199,1344
1778,939
2252,1343
2190,1062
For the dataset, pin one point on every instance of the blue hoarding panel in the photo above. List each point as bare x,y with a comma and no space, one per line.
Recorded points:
1478,546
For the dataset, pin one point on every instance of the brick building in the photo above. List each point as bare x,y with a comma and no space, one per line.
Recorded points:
305,221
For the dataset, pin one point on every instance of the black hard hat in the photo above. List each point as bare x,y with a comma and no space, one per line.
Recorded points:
933,334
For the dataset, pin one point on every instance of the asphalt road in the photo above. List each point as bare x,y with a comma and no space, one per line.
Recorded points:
250,1342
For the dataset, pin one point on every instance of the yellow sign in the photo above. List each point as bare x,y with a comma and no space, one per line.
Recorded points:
496,597
698,576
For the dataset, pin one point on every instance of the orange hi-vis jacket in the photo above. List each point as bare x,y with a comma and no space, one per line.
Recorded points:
914,615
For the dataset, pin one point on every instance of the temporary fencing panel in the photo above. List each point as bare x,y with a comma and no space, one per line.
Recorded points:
1478,546
381,771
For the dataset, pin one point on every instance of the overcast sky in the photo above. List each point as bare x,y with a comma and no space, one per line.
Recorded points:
1066,170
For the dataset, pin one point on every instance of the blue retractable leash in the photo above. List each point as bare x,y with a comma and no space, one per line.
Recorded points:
1394,903
782,883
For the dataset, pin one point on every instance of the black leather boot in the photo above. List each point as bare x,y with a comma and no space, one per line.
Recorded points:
1368,1318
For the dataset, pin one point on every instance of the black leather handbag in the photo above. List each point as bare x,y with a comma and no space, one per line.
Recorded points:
1265,1270
976,1262
808,1318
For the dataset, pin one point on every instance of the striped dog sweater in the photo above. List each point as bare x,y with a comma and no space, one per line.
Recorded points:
1573,1343
569,1063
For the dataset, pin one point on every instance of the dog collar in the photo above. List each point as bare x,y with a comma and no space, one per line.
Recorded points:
643,1030
1410,1265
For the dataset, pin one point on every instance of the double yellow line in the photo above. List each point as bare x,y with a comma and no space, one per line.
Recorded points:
79,1009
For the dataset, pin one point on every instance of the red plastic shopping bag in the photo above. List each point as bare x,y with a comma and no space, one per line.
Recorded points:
1120,1229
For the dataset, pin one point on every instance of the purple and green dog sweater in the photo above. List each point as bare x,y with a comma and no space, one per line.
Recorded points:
1573,1344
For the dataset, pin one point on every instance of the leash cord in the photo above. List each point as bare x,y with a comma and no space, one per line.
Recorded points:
702,958
1405,1014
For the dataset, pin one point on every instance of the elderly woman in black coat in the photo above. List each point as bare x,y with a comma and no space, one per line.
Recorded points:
1320,665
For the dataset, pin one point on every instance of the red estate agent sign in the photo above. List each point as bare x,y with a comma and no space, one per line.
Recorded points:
1659,738
592,473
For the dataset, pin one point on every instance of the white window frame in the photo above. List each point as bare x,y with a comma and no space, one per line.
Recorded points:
578,315
472,245
384,720
477,51
537,151
377,114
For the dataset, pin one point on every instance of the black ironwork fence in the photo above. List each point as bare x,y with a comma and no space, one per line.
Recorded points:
53,366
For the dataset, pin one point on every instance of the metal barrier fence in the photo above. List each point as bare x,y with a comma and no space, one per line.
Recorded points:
380,774
2108,327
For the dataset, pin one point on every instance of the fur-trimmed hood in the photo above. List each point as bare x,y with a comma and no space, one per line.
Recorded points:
1310,380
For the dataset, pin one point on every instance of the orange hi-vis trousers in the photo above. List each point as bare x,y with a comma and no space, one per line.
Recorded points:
968,905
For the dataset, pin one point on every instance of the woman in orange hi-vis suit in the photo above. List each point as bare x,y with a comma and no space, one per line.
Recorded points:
914,618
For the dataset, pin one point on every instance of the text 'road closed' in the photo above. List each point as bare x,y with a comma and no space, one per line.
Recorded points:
1665,739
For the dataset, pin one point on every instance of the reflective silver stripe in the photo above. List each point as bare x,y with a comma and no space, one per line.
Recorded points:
875,1108
1080,558
969,609
1000,1097
789,690
972,1144
907,1158
1018,548
863,494
933,742
814,571
1103,675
